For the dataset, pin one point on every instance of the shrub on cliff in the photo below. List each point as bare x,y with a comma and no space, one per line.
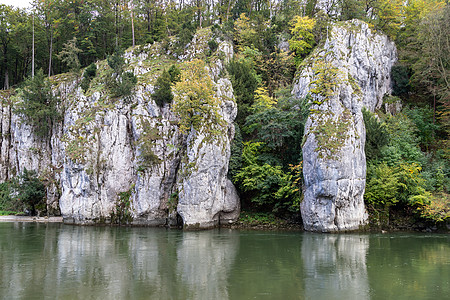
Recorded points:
163,87
38,105
88,75
119,83
196,103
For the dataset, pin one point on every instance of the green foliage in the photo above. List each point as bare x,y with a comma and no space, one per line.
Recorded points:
277,70
437,209
245,81
302,40
326,79
402,146
122,211
259,219
400,78
376,135
39,105
124,85
195,102
29,192
236,149
5,197
146,142
119,83
163,87
280,129
69,55
7,213
88,75
245,33
175,73
116,61
381,185
212,44
436,172
262,101
268,186
396,174
427,129
402,183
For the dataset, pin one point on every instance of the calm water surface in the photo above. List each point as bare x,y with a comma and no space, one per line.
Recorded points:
55,261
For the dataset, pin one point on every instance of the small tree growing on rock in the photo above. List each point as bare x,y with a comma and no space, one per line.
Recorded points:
39,105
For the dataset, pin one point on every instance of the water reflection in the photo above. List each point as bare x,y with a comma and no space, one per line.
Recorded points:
203,262
335,266
116,263
51,261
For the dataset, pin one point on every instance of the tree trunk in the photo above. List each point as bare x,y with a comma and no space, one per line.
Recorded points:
132,25
32,55
51,50
5,62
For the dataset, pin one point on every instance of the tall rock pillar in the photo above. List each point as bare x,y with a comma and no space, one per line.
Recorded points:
350,71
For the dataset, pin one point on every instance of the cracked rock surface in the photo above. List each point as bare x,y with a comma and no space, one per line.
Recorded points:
92,157
334,162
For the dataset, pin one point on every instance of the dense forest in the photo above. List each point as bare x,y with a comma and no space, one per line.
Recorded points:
407,152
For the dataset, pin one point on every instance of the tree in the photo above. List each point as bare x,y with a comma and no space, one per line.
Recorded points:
376,135
6,28
30,191
245,33
389,16
69,55
195,101
39,105
245,81
163,87
302,40
432,68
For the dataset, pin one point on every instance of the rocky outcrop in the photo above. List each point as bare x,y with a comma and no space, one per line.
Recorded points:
94,156
351,70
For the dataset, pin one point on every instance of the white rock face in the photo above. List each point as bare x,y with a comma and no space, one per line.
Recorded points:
94,157
334,163
204,195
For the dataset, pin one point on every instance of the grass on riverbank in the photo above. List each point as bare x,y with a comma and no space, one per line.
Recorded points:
8,213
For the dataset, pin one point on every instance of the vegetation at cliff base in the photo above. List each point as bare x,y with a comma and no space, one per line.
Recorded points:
23,194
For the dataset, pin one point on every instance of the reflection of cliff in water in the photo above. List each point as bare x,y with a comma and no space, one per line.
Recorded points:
53,261
118,263
335,266
147,263
203,263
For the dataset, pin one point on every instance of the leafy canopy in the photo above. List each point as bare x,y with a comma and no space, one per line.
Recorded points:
302,40
39,105
195,101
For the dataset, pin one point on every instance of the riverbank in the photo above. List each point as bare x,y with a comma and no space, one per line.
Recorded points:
31,219
397,221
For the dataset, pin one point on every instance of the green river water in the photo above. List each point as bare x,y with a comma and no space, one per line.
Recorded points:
56,261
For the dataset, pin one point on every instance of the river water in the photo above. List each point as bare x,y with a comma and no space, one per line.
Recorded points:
56,261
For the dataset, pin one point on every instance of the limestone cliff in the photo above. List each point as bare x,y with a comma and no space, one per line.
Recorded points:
351,70
93,157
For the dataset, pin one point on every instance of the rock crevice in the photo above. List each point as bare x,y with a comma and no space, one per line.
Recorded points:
95,155
350,71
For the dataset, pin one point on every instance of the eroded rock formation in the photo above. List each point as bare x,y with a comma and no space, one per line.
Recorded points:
349,72
93,157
